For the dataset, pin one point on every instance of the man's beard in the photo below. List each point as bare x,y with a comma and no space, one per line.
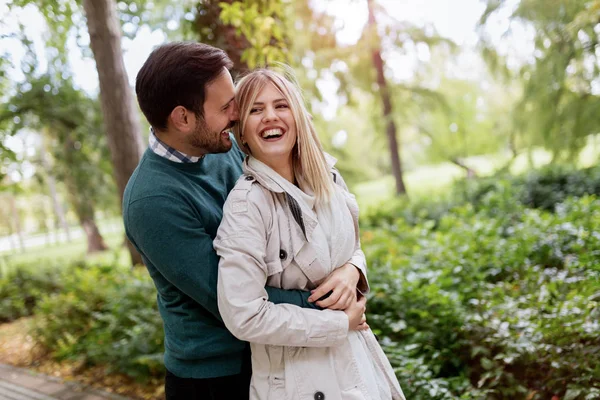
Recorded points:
208,141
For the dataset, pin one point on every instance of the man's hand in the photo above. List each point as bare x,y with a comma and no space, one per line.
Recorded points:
341,286
356,315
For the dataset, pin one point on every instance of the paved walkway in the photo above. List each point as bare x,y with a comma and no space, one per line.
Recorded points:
22,384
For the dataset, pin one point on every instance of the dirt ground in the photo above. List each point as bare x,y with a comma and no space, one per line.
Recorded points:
17,348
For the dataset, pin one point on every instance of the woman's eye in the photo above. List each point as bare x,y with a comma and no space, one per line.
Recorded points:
254,110
282,106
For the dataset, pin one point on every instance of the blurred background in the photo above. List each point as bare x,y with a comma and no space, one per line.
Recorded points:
468,130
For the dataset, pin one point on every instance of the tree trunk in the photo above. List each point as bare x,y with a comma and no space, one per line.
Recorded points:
59,212
94,239
223,36
16,220
85,214
470,171
6,211
120,114
388,117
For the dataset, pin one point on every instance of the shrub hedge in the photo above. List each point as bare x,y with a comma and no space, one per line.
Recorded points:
496,303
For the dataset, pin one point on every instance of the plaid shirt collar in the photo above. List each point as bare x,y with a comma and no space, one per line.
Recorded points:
166,151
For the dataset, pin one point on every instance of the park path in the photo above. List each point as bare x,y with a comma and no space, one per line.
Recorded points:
22,384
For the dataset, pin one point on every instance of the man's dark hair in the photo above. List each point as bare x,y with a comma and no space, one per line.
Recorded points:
176,74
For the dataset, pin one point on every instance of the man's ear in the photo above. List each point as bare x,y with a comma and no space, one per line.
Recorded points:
183,119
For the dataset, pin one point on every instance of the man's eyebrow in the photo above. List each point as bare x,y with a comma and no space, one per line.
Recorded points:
229,102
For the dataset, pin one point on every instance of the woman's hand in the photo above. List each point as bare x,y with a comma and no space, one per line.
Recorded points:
357,321
340,286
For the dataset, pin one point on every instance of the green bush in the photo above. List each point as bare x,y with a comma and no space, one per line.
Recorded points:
543,188
104,315
23,286
490,304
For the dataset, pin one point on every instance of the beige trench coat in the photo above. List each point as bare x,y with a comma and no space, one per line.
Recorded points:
297,353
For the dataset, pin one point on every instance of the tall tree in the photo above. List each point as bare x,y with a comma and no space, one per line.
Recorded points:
59,212
471,122
120,114
250,31
386,100
72,121
103,27
561,97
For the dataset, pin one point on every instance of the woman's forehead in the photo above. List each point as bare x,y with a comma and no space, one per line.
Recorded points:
270,92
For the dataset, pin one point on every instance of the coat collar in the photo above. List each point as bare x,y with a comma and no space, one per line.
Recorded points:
264,176
268,178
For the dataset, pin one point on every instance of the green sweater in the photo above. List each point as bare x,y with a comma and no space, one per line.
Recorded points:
172,212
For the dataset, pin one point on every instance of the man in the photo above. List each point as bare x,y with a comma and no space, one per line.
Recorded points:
172,208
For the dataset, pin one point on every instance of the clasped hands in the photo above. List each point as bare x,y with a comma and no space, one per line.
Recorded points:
340,286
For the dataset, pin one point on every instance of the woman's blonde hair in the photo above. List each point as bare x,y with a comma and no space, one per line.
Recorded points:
310,166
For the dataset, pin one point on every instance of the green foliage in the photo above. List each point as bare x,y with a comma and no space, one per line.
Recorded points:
259,22
558,108
544,188
469,123
252,32
73,128
23,286
104,315
489,300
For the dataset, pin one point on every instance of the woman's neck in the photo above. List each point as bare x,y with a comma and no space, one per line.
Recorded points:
284,168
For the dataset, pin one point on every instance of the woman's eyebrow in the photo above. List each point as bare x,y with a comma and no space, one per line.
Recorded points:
260,103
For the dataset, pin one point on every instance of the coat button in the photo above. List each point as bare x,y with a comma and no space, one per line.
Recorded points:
319,396
249,178
282,254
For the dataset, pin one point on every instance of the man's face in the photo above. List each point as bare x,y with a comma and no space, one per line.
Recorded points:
220,113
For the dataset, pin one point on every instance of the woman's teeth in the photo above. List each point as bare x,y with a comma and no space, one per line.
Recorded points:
270,133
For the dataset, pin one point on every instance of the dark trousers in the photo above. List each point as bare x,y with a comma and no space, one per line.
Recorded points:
234,387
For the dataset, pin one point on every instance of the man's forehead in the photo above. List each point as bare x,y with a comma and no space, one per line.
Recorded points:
222,82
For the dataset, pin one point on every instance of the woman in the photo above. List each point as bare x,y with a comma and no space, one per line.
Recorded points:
289,222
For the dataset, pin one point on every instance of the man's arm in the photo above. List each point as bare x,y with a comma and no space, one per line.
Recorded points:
295,297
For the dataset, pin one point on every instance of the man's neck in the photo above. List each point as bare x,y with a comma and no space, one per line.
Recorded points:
172,139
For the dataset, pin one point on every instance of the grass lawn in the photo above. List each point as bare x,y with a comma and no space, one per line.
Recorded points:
434,180
69,252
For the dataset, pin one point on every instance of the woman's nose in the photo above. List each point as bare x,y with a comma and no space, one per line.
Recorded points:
269,114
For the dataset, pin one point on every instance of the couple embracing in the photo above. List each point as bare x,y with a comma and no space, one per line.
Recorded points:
251,238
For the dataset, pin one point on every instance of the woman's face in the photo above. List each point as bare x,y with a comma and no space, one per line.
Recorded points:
270,129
